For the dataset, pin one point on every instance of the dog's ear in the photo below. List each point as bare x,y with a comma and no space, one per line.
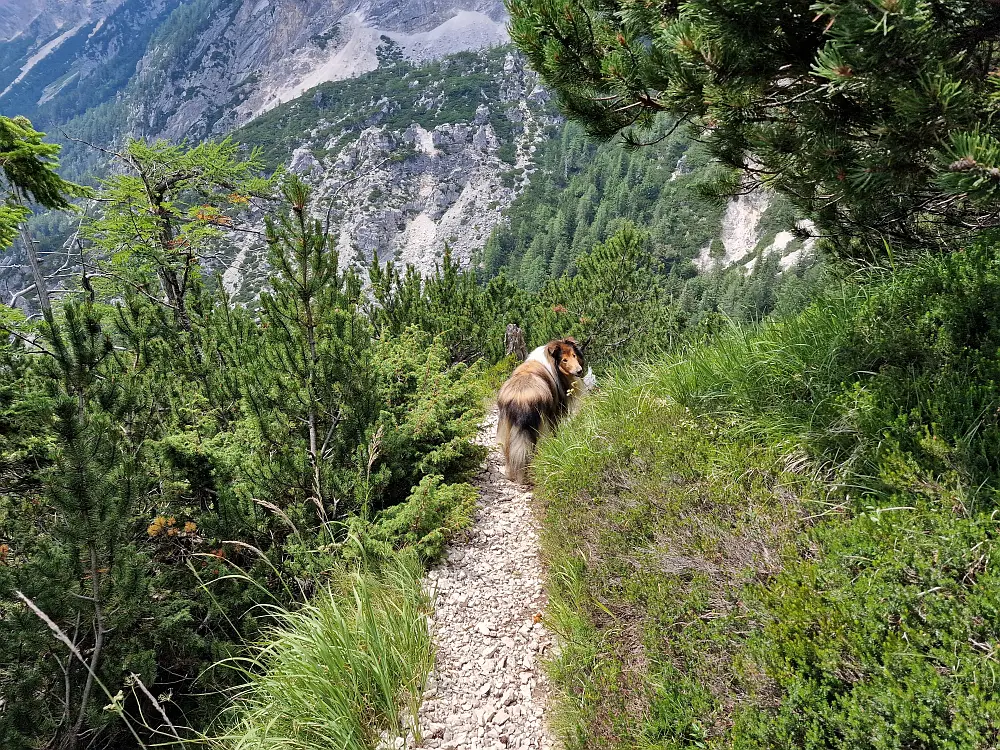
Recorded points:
577,349
552,349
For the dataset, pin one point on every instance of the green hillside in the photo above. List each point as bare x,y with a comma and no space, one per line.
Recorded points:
583,191
785,538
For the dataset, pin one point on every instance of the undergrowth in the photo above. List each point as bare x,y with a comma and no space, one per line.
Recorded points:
340,671
785,538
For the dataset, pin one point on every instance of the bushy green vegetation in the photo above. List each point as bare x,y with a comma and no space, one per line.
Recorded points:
341,670
784,537
175,460
615,302
171,462
777,532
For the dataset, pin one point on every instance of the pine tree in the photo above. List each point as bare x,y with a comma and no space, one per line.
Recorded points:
29,175
78,560
614,303
451,304
881,118
29,171
304,376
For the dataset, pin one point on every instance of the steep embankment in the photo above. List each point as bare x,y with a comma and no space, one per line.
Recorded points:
488,689
787,537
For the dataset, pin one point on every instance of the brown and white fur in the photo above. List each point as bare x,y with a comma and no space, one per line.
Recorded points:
541,391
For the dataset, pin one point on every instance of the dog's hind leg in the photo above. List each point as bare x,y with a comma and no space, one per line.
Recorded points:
517,433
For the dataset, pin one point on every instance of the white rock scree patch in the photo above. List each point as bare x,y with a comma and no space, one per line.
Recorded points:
488,689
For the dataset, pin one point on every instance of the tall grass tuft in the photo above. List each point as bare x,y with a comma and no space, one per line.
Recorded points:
340,671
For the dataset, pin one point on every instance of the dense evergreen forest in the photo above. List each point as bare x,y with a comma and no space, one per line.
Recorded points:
773,523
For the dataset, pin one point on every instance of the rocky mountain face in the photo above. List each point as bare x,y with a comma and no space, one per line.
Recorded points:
198,68
743,241
103,70
436,161
252,56
469,153
42,17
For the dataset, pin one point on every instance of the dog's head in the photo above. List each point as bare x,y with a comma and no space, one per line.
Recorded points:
567,356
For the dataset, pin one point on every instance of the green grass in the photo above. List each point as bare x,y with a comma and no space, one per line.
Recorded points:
655,526
341,670
786,538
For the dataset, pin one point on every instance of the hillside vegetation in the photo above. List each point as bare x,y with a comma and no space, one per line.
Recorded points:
785,538
181,474
782,535
192,485
772,526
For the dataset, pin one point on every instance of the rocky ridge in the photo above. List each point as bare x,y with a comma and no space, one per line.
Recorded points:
49,16
253,55
197,69
403,194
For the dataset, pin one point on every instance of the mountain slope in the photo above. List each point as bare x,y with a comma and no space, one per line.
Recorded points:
408,158
584,190
64,64
195,69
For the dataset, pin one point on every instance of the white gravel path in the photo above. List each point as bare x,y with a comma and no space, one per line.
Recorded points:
488,688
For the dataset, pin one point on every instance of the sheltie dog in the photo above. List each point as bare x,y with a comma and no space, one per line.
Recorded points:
539,392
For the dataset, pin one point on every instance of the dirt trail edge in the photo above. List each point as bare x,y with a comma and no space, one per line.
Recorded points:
488,688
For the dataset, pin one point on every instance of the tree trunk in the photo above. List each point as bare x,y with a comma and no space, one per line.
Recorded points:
99,633
514,342
36,267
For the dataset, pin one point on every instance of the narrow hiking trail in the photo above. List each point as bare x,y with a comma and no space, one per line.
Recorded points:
488,688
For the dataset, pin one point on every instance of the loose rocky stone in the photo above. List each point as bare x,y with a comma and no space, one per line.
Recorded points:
489,690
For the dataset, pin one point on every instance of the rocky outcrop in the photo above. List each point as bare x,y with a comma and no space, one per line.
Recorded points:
175,69
404,194
256,54
742,242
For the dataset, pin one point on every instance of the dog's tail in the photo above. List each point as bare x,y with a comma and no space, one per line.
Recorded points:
518,443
